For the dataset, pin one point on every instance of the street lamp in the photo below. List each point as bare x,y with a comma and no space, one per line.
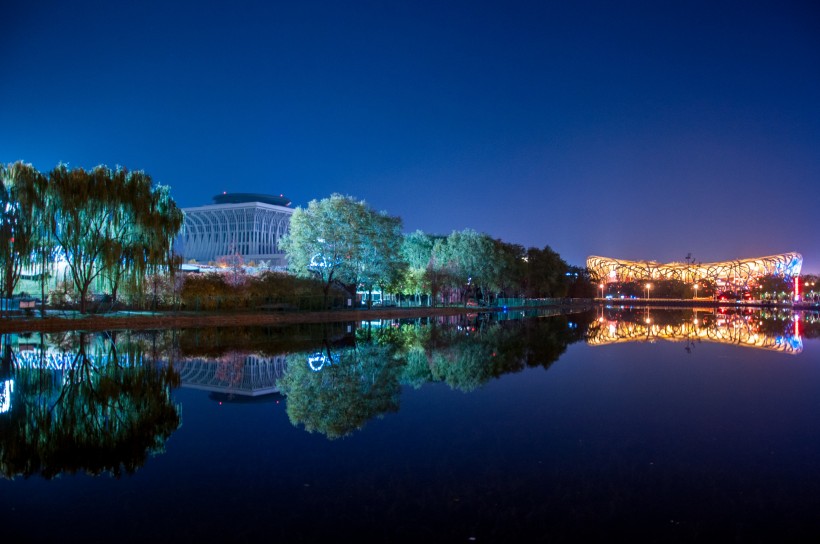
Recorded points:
601,285
648,287
696,290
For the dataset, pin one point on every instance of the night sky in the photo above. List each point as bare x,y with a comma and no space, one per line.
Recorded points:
630,130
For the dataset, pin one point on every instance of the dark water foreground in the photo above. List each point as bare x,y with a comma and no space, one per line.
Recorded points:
659,426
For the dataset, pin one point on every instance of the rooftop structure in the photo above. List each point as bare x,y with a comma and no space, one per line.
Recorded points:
237,225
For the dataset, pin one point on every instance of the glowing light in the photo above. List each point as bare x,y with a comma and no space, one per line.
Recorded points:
317,361
737,272
5,396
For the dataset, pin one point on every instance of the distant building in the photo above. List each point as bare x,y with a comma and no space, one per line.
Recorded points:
739,273
243,225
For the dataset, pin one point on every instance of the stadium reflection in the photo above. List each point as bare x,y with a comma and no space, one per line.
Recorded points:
761,329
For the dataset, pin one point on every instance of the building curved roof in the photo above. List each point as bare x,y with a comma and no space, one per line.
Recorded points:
738,270
241,198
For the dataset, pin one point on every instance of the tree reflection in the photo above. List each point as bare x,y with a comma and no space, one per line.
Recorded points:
470,354
104,409
348,387
336,390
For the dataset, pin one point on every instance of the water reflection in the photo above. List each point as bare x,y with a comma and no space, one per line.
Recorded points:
102,402
779,332
234,374
335,391
77,402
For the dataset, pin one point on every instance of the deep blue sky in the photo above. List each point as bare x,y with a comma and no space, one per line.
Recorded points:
632,130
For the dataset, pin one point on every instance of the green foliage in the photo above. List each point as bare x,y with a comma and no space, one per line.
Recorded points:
469,264
342,241
105,223
110,223
21,222
117,227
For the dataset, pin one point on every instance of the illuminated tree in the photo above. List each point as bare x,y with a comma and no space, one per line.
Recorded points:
19,226
342,240
144,221
38,207
473,261
417,251
112,222
380,262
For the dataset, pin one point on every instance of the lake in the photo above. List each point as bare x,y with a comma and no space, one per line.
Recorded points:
656,425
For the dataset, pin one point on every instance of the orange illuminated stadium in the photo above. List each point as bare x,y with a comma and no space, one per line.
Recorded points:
737,274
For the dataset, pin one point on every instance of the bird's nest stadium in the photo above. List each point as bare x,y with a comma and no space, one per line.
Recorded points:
740,273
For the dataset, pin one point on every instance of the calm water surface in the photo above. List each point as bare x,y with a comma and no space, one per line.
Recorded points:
659,426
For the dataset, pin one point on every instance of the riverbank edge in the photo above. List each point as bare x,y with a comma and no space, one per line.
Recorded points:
183,320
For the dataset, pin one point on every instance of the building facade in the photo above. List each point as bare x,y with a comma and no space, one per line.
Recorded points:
249,226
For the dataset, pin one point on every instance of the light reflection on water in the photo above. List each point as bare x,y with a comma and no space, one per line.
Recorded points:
754,329
649,424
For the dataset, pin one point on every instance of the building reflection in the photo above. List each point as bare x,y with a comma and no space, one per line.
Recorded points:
234,373
753,329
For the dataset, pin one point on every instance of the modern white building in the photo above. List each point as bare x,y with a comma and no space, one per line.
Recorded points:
237,224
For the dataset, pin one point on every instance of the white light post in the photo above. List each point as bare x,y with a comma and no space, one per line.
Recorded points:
648,287
696,291
602,289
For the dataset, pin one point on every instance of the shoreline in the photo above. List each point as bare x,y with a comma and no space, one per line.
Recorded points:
182,320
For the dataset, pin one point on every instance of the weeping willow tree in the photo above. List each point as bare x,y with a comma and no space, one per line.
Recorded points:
142,228
112,224
19,226
35,205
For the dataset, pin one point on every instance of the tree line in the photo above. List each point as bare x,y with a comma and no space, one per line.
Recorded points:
116,228
105,224
341,241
